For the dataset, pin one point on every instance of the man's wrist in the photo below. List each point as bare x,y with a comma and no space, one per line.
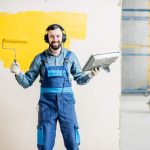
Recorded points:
17,73
90,75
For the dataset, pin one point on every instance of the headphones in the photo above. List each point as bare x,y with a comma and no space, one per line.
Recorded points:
53,27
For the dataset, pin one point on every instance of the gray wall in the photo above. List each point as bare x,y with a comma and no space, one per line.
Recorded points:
135,46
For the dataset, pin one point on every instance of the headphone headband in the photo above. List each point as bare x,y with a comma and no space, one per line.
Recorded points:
54,26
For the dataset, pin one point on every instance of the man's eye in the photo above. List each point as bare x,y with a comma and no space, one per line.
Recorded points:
51,36
58,36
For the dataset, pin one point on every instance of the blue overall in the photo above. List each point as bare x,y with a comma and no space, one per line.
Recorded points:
57,103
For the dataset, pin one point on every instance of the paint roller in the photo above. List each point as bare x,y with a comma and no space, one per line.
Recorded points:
21,41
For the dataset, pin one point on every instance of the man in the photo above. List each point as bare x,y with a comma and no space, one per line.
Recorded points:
54,65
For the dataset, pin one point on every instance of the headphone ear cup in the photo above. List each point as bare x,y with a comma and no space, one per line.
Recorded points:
46,38
64,38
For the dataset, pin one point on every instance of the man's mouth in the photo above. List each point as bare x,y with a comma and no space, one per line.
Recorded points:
55,42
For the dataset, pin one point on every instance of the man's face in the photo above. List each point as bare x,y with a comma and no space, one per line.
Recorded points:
55,38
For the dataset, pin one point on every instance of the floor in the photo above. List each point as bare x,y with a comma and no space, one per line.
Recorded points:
134,122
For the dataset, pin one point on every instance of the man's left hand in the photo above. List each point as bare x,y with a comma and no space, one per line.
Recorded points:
94,72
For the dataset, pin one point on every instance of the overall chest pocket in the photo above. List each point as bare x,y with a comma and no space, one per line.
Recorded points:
56,71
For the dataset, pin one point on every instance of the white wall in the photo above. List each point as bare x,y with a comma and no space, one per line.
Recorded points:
97,103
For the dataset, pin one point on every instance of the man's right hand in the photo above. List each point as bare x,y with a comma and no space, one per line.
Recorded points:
15,68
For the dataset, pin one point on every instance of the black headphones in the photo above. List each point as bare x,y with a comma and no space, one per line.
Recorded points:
53,27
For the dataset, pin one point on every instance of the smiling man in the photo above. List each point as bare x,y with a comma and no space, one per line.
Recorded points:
55,66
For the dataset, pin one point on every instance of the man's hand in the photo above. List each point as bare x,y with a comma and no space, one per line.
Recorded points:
15,68
94,72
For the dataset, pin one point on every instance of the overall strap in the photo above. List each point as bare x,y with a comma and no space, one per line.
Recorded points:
43,59
66,59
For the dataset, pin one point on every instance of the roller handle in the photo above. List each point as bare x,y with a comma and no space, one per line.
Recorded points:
15,61
6,40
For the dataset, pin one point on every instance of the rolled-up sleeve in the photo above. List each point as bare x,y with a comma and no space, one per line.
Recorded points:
80,77
27,79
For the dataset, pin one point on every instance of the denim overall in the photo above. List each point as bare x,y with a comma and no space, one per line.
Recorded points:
57,103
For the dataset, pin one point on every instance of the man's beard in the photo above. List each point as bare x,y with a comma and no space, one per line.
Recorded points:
55,47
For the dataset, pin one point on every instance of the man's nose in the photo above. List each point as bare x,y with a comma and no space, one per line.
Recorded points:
55,38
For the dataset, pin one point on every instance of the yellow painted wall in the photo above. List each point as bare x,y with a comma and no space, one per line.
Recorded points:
31,25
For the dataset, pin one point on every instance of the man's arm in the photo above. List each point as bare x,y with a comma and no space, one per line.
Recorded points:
27,79
80,77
